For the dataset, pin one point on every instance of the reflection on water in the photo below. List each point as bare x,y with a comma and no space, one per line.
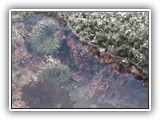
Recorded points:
87,81
122,92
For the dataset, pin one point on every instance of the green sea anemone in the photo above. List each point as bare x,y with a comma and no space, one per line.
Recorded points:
55,71
43,38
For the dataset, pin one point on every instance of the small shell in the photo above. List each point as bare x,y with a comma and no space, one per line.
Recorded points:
101,50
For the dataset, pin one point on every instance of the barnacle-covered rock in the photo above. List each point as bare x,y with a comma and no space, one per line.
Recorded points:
55,71
58,16
21,14
122,34
44,40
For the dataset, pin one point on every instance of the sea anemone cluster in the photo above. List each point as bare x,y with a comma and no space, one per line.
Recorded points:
21,14
55,72
43,39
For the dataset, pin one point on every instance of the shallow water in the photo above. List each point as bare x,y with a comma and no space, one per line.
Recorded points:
93,83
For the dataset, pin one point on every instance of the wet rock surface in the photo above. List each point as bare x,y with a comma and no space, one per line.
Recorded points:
96,80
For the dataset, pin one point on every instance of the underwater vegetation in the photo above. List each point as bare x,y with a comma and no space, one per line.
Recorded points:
44,40
55,72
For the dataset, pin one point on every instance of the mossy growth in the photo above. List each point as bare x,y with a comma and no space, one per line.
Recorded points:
44,40
55,72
